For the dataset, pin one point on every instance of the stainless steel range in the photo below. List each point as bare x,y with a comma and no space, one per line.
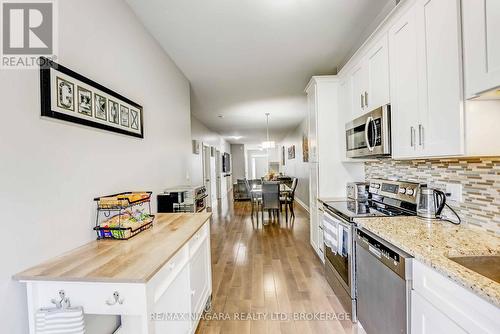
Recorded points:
386,198
183,199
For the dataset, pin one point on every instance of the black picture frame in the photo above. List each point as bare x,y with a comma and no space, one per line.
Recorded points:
46,92
291,152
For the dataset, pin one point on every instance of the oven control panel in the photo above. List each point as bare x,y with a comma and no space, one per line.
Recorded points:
400,190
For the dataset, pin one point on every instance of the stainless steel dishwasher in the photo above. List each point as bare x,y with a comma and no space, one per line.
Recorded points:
383,285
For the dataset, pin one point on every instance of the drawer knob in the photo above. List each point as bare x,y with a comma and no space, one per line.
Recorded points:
171,266
193,292
115,299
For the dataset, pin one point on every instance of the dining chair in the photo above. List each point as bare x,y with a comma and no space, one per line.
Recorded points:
241,191
290,198
271,198
254,199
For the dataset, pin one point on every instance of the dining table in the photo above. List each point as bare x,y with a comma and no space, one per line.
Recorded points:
284,191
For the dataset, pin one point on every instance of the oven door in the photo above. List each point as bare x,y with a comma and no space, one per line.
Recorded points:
369,135
340,259
339,265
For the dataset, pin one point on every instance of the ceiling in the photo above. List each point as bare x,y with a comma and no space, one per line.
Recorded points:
245,58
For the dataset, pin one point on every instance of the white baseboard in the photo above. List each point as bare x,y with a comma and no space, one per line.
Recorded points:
302,204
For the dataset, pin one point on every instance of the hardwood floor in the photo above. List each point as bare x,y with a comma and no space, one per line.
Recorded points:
269,274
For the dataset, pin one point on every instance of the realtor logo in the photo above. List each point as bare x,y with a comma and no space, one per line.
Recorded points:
28,31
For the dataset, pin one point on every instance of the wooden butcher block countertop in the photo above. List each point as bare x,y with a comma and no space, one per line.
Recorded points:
135,260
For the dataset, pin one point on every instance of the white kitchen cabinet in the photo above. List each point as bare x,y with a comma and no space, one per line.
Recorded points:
359,83
426,91
440,131
313,206
405,111
370,79
435,48
320,248
481,28
377,63
426,319
312,123
328,174
345,112
314,226
439,305
345,102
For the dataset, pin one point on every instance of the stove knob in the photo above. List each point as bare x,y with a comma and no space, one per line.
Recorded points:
410,192
402,190
376,185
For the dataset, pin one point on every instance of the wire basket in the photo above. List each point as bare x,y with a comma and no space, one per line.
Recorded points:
124,215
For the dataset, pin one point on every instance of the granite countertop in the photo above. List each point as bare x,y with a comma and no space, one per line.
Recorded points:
432,244
332,199
135,260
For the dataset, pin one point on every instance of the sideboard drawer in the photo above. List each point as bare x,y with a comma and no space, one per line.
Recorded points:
198,237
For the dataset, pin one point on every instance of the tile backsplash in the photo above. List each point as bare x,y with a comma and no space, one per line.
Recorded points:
480,179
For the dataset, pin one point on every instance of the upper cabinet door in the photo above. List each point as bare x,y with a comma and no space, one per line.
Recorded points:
312,102
440,130
377,62
345,100
481,29
359,83
345,113
405,113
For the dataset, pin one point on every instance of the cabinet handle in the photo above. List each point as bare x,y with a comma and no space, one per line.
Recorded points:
420,135
362,103
366,98
193,292
412,136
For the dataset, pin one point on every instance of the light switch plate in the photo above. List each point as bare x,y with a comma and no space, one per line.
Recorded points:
455,189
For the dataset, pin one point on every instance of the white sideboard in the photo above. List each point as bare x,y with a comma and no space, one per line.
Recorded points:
164,292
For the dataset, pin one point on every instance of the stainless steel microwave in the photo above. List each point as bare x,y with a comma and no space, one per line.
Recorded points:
370,134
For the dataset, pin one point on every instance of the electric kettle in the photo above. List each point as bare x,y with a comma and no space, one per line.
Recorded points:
430,203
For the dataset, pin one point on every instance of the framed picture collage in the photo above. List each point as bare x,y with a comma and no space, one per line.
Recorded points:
69,96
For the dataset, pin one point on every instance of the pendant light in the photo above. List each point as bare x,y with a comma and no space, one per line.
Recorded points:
268,143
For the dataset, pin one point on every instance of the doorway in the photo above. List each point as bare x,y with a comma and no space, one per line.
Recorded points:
259,166
207,174
218,173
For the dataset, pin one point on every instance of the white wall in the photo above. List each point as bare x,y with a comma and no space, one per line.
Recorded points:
255,161
296,167
237,162
51,171
259,166
206,136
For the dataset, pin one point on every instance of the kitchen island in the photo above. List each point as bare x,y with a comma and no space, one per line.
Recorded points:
445,295
162,271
